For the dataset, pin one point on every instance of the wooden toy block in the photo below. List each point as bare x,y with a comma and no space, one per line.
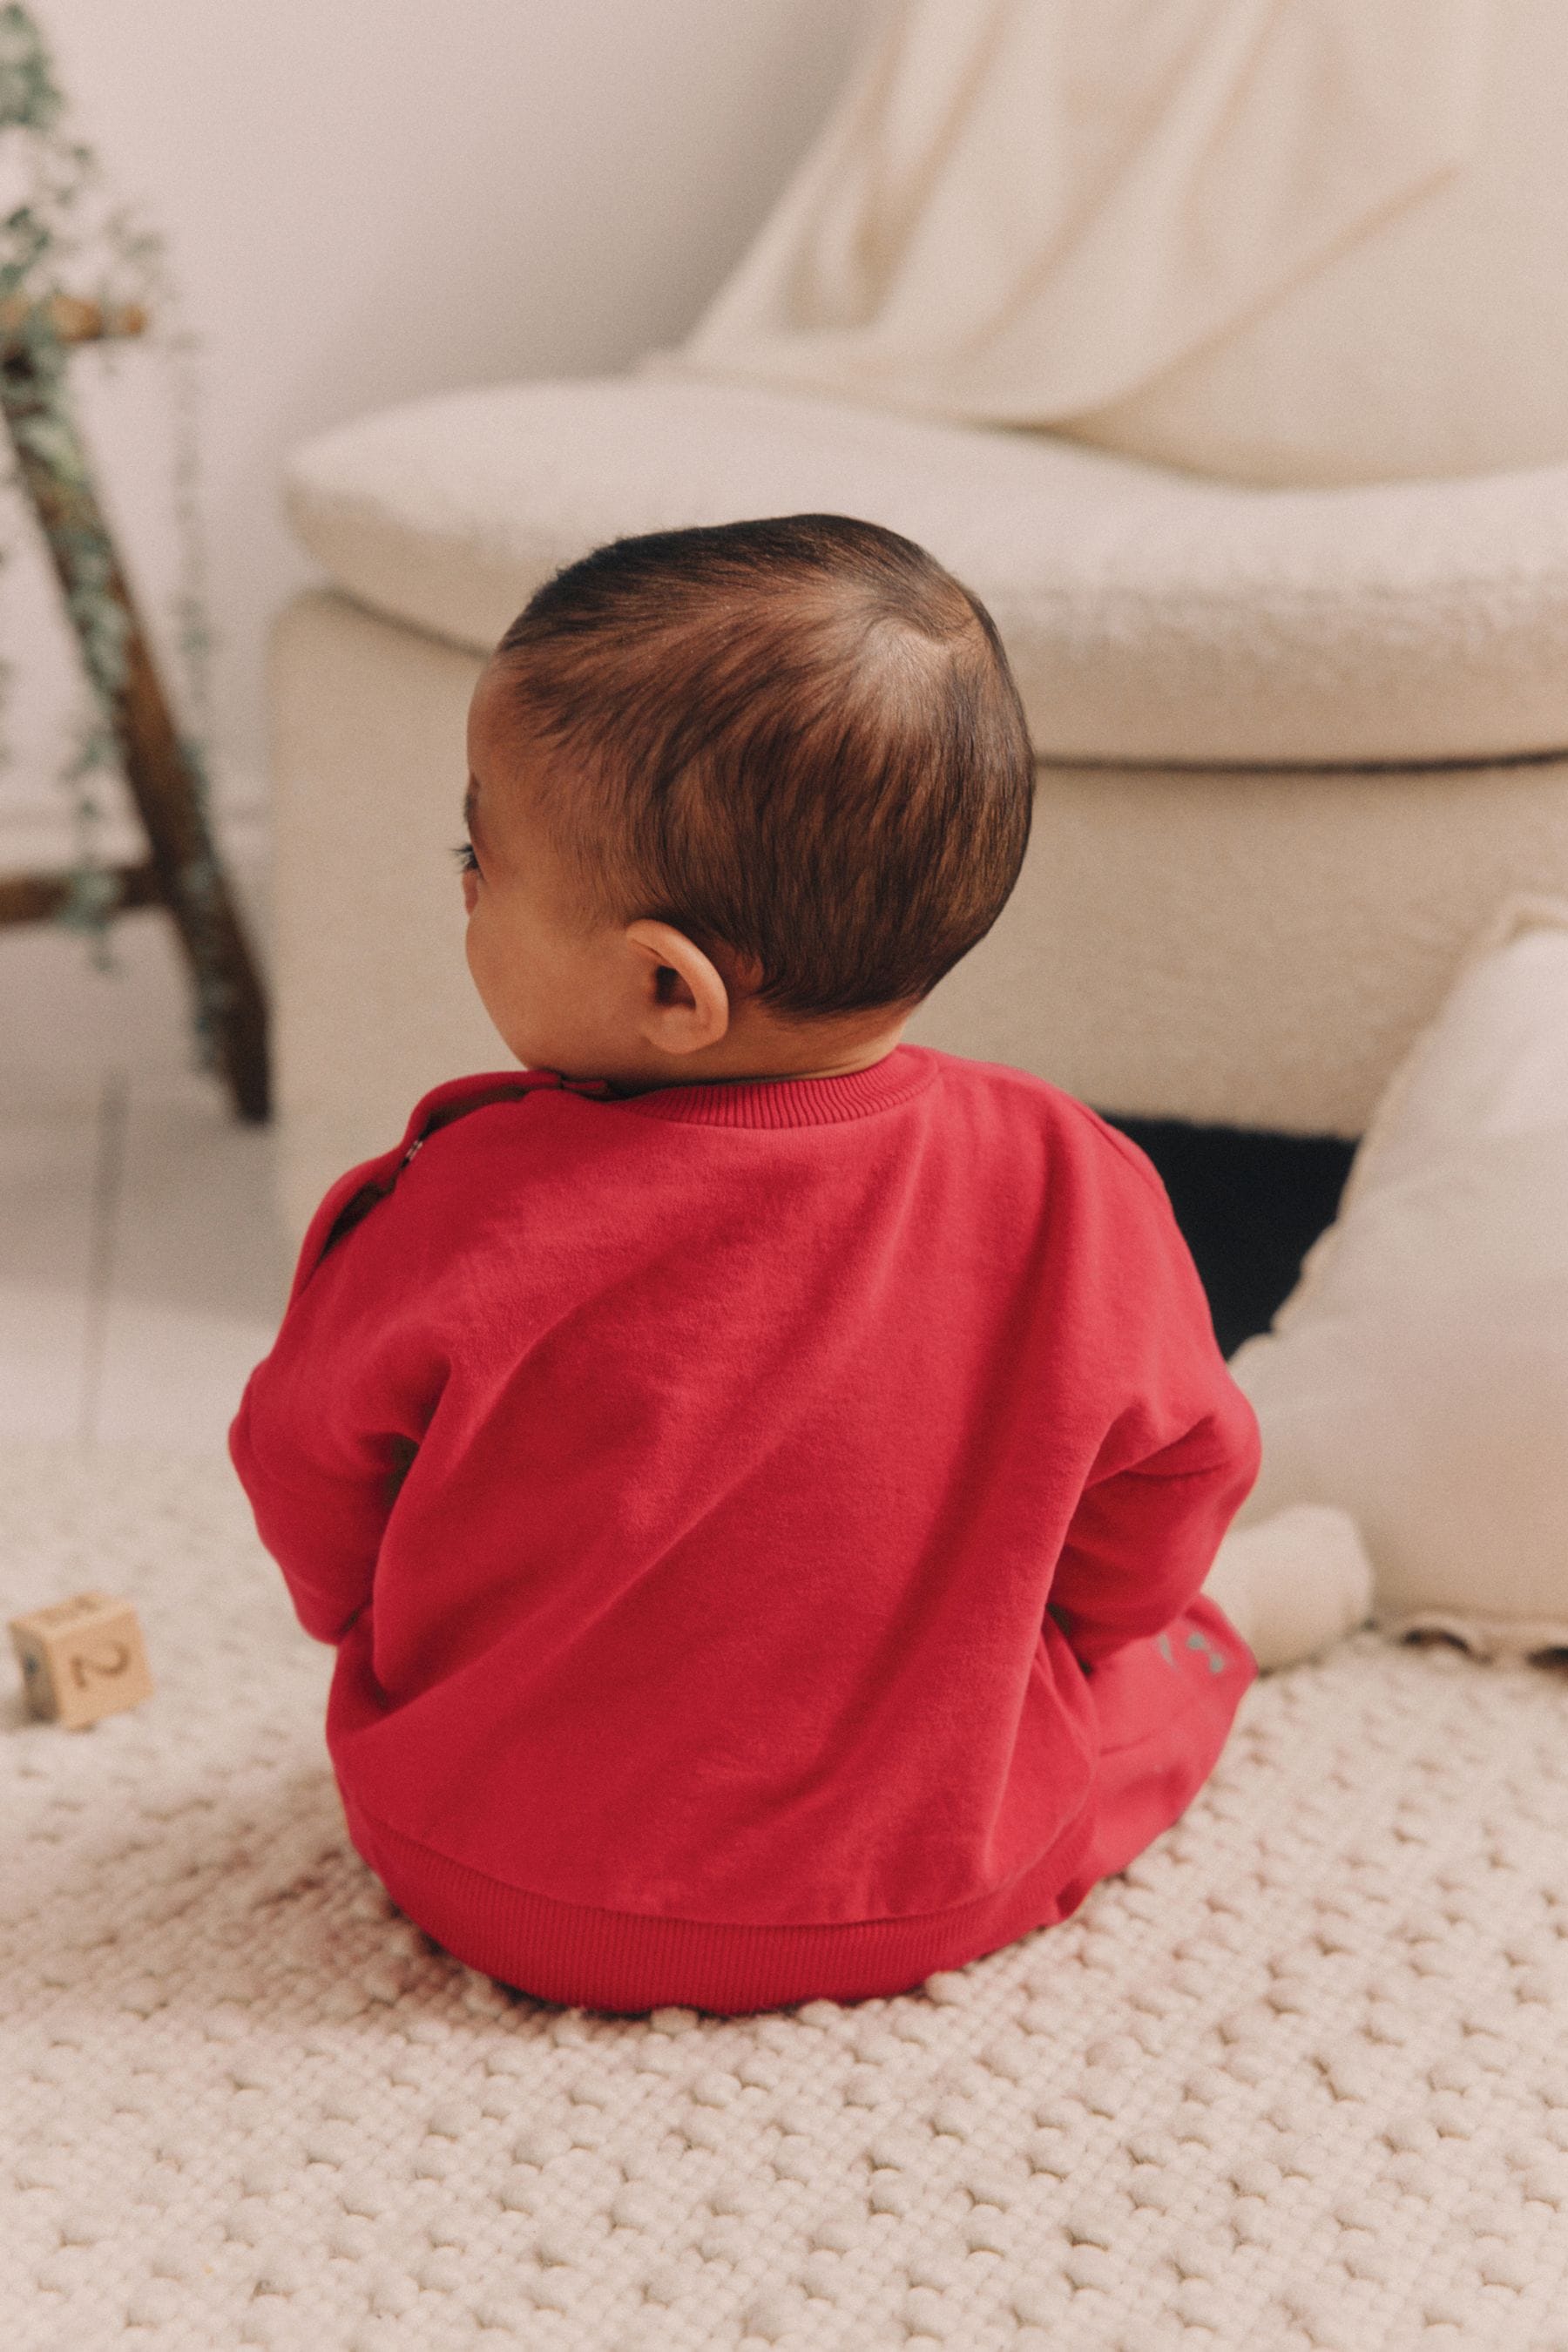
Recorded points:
82,1659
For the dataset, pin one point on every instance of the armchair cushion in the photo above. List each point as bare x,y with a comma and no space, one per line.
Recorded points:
1151,615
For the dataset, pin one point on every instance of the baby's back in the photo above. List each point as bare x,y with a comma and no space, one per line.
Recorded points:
748,1425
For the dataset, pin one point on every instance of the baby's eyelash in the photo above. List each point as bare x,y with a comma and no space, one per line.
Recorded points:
466,861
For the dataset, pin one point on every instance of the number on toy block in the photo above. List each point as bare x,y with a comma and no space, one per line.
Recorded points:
82,1659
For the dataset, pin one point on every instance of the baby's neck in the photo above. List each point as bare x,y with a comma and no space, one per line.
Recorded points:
761,1050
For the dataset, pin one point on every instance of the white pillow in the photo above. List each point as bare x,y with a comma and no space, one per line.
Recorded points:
1417,1375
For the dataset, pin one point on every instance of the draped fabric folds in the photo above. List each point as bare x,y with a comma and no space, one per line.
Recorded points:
1022,210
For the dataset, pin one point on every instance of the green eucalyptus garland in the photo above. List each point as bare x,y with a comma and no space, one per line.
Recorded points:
60,240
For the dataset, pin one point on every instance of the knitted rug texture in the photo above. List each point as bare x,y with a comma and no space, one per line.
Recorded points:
1299,2078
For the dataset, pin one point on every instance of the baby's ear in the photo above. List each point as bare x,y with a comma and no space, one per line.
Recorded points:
671,986
684,1004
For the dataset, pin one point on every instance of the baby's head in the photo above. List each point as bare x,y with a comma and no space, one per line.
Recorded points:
738,798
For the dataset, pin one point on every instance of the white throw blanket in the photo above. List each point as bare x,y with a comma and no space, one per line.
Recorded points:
1024,209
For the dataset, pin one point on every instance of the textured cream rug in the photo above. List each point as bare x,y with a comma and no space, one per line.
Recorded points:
1298,2079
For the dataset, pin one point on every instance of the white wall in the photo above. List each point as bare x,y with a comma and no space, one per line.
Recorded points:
366,200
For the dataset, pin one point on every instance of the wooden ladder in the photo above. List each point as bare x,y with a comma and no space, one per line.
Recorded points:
183,870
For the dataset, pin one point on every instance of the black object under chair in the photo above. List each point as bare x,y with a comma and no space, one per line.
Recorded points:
1250,1205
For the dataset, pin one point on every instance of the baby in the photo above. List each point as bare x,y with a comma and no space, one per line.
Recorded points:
758,1475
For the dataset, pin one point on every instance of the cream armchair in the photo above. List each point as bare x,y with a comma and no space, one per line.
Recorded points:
1297,738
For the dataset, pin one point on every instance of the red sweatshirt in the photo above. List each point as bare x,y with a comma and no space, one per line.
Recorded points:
759,1523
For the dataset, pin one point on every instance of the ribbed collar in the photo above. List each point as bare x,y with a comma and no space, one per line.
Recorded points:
791,1102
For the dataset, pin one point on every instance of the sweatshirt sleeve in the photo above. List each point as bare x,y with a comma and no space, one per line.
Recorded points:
330,1419
1180,1457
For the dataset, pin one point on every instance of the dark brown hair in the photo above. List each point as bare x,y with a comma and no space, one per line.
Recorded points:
797,737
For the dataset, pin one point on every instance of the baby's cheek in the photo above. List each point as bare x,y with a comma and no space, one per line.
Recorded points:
488,965
470,891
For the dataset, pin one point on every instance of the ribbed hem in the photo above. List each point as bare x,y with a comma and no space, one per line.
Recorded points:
792,1102
629,1963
